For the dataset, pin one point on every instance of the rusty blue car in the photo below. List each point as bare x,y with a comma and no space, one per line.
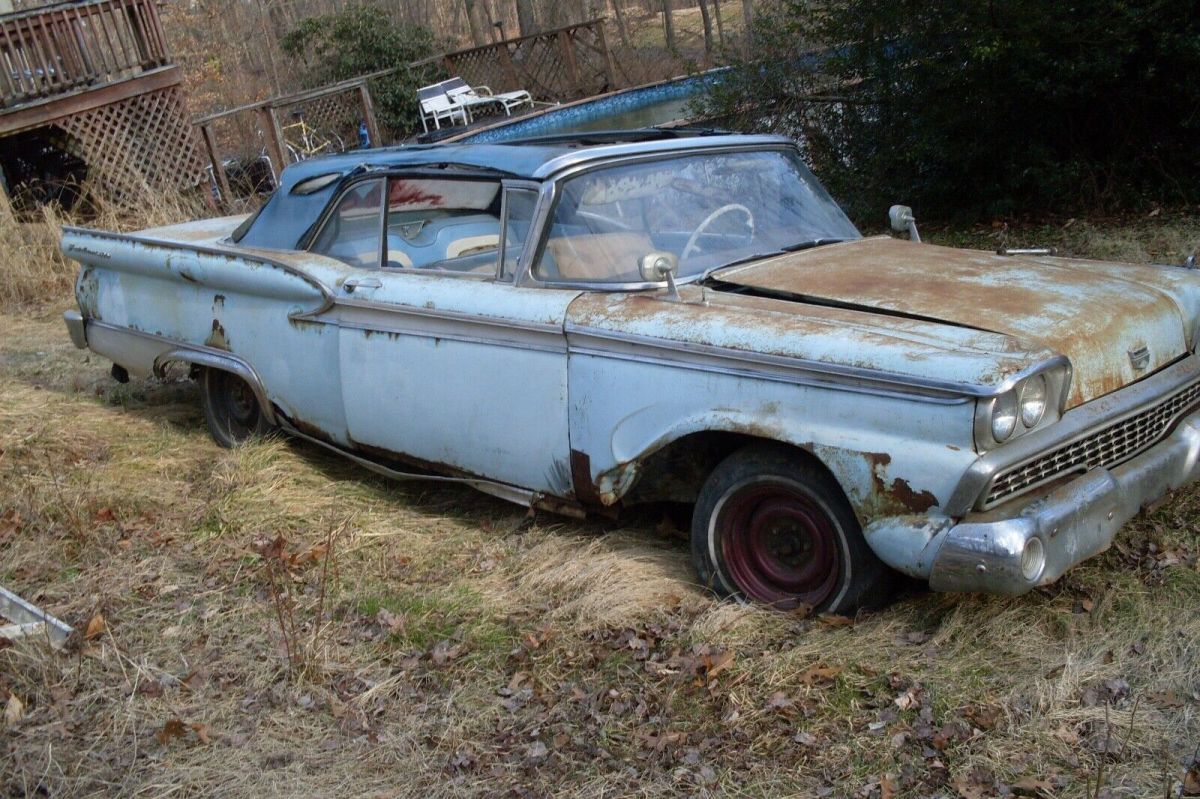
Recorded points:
585,324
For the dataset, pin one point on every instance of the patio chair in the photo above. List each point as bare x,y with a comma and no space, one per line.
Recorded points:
472,97
437,107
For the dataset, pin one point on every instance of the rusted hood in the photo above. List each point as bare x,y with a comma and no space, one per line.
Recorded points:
1094,313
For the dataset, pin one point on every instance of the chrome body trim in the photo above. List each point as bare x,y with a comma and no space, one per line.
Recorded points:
1074,425
1074,522
76,328
615,152
634,347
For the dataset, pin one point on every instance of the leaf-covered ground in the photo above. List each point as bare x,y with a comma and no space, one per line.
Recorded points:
439,642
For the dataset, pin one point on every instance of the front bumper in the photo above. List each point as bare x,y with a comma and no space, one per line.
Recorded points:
983,552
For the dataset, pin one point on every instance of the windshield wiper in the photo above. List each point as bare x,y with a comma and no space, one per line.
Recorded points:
801,245
807,245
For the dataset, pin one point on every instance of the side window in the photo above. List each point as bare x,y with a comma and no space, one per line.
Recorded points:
352,232
444,224
519,205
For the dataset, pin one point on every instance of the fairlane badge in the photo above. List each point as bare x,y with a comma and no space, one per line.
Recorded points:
1139,357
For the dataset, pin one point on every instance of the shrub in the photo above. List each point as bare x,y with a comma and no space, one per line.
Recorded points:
969,109
361,40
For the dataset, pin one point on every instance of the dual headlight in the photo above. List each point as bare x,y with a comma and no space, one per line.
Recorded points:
1030,402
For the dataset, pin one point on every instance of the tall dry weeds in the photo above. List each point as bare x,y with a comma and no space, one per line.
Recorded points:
34,272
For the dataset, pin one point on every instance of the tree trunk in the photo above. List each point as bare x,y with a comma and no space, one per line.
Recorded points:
708,30
622,28
748,18
479,33
669,24
526,20
720,24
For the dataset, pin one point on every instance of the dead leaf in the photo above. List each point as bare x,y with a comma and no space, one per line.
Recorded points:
105,515
818,673
1191,781
834,620
174,728
201,731
715,664
392,622
311,555
908,699
14,711
887,787
1032,786
1167,699
443,652
95,626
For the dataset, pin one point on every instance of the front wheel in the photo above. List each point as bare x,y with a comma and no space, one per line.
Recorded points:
231,409
773,527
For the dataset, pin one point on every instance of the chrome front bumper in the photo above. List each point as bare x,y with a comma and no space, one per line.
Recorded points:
1072,523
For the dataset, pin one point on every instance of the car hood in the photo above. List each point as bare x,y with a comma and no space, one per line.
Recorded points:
1094,313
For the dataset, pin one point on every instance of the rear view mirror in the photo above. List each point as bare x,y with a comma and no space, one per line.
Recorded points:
901,219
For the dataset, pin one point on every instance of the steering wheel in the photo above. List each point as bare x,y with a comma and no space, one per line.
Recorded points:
708,220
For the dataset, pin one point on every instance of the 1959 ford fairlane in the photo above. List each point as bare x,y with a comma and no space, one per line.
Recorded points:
587,324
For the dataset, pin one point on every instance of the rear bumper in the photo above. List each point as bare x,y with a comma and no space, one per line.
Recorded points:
76,328
1069,524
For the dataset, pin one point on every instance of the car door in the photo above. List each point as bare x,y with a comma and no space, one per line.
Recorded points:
441,361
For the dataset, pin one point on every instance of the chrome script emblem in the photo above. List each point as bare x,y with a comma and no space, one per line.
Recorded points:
1139,357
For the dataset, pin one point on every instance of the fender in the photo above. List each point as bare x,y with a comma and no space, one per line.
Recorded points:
218,359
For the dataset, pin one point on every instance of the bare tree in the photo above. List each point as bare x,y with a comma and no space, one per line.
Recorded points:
748,17
720,23
526,20
669,24
479,31
708,29
622,27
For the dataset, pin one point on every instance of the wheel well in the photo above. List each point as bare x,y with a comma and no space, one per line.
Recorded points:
676,472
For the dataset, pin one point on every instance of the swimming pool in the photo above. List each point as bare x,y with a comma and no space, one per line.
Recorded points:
639,107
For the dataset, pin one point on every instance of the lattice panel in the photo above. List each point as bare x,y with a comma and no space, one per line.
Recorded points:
141,142
333,118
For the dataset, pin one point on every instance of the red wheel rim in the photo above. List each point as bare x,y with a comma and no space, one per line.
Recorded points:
779,546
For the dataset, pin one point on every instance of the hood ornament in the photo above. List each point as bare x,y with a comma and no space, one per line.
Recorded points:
1139,357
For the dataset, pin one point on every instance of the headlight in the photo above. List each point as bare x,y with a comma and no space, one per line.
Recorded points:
1028,403
1033,401
1004,417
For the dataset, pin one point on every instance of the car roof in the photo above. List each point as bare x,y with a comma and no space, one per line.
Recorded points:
287,216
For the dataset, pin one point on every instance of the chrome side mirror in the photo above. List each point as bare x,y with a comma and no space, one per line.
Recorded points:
902,221
658,266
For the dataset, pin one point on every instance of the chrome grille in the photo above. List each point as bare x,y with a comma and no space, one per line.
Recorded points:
1106,447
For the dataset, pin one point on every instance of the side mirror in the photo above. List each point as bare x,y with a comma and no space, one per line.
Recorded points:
658,266
901,219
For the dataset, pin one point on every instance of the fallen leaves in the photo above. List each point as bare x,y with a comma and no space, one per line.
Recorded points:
95,626
178,730
14,710
1191,781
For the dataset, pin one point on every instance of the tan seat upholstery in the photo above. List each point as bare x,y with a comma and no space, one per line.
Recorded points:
611,257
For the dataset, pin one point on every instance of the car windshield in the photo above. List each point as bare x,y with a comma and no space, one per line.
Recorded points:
703,211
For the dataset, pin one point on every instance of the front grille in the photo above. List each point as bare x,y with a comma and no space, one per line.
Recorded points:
1106,447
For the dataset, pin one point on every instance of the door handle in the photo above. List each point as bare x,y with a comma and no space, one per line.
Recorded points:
351,284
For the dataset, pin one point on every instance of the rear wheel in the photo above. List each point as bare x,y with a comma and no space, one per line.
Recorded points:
772,526
231,408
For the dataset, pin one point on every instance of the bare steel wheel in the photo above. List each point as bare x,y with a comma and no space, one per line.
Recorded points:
771,526
231,408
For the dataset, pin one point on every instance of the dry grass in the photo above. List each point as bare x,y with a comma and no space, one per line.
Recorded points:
31,267
468,650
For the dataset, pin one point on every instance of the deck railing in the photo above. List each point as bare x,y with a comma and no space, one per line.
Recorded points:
73,46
